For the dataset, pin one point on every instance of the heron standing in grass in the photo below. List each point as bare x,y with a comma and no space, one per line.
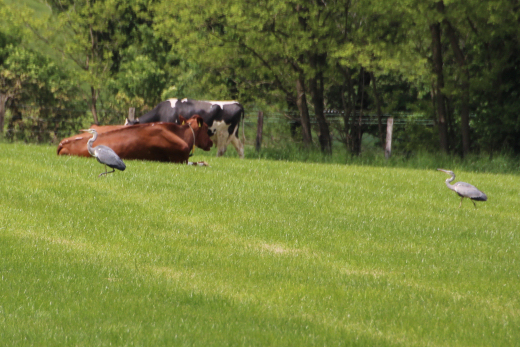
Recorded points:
465,190
105,155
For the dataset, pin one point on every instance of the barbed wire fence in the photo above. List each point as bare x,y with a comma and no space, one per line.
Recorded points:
284,125
51,125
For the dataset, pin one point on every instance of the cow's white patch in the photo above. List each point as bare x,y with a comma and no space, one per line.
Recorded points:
218,125
173,102
222,103
198,163
221,138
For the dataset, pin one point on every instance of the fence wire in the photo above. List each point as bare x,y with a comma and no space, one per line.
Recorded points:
278,125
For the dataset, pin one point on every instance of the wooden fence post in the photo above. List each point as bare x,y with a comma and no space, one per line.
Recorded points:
131,114
389,129
259,130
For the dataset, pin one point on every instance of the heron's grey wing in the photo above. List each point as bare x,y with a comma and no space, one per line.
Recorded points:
107,156
469,191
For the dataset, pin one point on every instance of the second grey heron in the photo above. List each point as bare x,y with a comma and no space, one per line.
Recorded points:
464,190
105,155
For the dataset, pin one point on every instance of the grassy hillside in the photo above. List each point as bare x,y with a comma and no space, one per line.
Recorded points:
39,7
254,253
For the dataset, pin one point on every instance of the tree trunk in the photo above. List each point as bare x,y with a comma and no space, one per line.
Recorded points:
93,107
439,85
461,61
452,136
3,101
357,129
92,58
464,114
259,131
379,112
317,93
347,112
316,87
301,102
349,107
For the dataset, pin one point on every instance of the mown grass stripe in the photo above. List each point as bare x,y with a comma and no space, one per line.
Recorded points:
252,252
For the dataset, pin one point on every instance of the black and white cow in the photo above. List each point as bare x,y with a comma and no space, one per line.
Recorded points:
222,117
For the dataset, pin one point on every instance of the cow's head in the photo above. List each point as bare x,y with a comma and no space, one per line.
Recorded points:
200,129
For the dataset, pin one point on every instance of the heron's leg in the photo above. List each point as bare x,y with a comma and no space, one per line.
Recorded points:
106,172
474,203
103,173
460,205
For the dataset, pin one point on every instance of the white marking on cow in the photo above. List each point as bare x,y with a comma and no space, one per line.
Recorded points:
184,100
173,102
197,163
222,103
218,125
221,138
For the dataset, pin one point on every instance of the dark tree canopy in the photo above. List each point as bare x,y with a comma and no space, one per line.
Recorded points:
455,63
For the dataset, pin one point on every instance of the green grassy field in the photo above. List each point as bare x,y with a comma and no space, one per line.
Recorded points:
253,253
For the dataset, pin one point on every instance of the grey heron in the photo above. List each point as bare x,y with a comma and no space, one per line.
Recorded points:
465,190
105,155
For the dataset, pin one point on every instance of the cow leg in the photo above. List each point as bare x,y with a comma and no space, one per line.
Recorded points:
239,146
221,142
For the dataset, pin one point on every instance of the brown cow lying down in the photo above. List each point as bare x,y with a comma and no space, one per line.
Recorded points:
167,142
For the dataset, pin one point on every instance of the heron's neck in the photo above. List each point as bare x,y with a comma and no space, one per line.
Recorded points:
89,144
450,180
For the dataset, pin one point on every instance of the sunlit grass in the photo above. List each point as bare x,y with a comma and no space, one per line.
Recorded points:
253,252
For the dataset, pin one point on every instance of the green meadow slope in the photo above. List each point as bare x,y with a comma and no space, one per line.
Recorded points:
253,253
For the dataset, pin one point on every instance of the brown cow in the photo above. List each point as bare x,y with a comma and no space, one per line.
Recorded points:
167,142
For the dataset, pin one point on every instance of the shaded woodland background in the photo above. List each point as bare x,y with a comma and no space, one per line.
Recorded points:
448,69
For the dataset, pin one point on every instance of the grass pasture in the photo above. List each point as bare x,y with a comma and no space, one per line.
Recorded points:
253,253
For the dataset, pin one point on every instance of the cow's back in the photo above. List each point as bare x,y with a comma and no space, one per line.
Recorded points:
163,112
188,108
152,141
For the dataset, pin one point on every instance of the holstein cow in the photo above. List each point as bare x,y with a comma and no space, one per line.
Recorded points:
167,142
222,117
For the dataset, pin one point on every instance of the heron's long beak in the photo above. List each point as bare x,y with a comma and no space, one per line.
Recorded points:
442,170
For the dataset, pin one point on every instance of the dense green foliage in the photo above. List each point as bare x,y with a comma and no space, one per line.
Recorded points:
455,63
252,252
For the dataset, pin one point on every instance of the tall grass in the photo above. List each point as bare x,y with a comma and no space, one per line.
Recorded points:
290,151
279,145
253,252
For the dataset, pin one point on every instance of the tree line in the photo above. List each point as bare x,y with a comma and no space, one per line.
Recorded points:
456,62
